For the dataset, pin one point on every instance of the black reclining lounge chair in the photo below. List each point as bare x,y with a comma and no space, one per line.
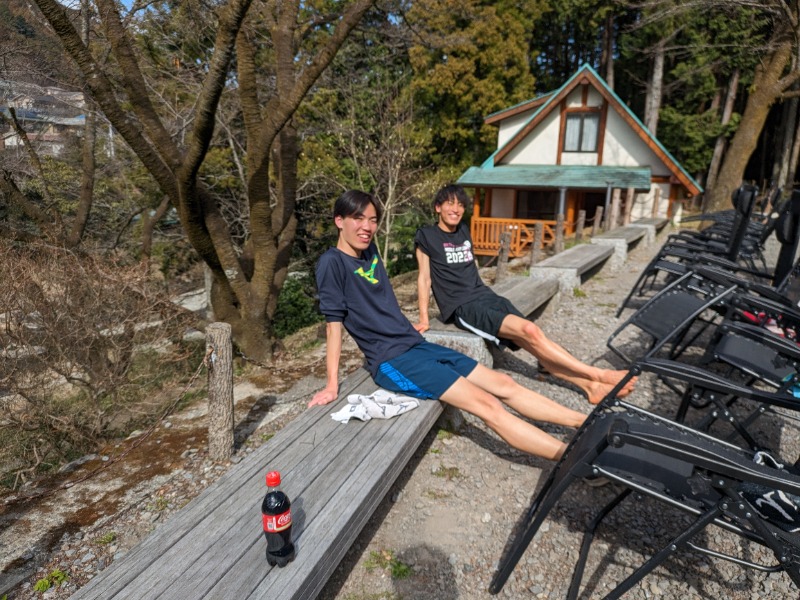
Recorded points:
675,259
676,316
713,481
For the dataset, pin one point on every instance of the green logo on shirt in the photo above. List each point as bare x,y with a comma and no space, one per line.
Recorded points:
368,275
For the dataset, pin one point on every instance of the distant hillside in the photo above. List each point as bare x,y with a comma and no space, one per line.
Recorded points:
31,53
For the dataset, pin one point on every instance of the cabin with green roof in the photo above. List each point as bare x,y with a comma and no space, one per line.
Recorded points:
564,152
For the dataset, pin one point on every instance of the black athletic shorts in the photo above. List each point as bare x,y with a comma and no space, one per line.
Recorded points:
484,317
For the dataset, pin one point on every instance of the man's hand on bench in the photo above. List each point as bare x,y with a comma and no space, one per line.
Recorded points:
326,396
422,327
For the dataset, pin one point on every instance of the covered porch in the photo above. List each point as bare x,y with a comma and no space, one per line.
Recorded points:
514,198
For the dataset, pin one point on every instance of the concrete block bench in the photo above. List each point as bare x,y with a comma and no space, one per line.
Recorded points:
572,265
214,548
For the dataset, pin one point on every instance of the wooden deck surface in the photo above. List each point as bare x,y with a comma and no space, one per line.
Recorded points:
335,475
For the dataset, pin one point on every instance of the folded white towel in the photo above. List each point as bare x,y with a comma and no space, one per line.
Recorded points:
381,404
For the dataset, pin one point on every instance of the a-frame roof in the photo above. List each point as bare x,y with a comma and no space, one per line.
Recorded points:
545,103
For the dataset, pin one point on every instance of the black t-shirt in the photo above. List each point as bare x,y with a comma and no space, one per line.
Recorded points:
357,293
454,275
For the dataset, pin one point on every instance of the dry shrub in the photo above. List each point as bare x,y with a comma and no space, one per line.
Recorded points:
85,345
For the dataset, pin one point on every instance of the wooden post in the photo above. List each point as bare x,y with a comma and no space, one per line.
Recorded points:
580,226
630,194
502,258
656,201
559,233
598,221
613,219
220,391
538,243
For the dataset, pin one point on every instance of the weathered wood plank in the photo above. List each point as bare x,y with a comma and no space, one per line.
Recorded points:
629,233
581,258
326,537
657,222
528,294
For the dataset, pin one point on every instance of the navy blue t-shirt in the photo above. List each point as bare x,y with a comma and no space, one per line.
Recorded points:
357,293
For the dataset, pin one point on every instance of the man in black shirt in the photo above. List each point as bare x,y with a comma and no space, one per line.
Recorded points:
446,264
355,294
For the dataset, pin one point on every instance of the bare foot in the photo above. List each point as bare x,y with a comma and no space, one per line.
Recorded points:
596,390
613,377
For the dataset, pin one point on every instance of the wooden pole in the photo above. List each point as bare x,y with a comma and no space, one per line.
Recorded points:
656,201
538,243
580,226
559,233
502,258
598,221
613,219
630,194
220,391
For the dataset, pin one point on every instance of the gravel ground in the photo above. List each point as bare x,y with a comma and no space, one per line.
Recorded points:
441,530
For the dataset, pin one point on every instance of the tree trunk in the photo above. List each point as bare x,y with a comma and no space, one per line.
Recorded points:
722,142
782,162
244,292
767,86
793,162
75,234
148,225
655,88
607,55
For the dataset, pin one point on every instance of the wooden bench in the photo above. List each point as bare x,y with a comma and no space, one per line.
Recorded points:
572,266
214,548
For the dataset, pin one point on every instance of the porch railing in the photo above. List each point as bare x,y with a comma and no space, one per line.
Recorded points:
486,232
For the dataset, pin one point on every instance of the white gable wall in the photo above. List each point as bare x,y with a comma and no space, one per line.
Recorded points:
622,147
593,98
509,127
540,147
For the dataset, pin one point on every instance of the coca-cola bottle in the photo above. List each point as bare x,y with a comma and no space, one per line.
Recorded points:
277,517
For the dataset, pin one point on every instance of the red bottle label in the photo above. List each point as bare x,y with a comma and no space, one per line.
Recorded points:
276,523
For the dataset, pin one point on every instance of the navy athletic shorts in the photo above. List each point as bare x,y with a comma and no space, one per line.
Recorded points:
425,371
484,317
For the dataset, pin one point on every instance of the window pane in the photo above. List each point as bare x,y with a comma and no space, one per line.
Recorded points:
572,135
590,125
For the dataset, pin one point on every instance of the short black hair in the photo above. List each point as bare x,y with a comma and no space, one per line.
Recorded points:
354,202
452,191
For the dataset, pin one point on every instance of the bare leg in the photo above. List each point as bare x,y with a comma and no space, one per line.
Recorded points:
594,382
481,394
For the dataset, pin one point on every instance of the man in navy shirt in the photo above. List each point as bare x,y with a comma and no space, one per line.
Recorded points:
446,263
355,293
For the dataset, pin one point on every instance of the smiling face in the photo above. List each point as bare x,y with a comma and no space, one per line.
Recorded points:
450,212
357,231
